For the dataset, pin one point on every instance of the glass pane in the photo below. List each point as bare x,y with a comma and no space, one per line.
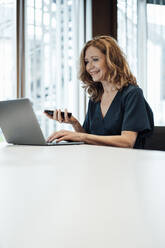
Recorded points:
127,31
51,54
7,50
156,61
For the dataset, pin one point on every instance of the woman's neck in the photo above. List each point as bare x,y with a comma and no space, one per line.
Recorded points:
108,87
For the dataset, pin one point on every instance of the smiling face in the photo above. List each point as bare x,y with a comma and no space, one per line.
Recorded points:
95,62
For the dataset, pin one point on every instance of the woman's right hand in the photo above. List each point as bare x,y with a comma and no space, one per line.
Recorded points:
58,117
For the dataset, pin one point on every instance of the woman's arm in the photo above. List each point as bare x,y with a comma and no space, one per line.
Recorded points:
126,139
77,126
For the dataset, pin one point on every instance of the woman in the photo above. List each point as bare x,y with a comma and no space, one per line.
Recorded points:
118,115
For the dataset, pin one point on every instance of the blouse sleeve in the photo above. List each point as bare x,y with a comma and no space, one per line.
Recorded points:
138,115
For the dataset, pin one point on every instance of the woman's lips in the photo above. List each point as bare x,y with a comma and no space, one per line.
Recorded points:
94,73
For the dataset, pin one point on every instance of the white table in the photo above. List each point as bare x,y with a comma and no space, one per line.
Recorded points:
81,197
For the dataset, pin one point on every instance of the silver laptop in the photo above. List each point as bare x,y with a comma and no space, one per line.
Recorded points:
20,125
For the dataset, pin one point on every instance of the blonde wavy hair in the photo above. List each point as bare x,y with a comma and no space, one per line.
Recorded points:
119,72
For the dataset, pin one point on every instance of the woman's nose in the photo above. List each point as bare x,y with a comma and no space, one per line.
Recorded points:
90,65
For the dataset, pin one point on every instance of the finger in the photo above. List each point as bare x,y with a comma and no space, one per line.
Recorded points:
66,115
56,135
55,114
51,138
64,137
59,116
60,139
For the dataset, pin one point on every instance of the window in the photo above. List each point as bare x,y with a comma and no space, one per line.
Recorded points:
156,58
43,64
141,34
7,49
127,31
54,37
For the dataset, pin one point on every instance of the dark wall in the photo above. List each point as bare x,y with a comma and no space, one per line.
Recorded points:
104,17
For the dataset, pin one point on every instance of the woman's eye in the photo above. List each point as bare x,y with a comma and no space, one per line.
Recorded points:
95,59
86,62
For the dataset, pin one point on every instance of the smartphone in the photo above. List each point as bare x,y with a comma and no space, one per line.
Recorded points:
50,112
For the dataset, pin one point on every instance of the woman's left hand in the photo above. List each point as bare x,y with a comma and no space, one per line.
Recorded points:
66,135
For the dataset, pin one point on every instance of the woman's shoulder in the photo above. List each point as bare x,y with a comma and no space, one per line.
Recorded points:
92,104
131,90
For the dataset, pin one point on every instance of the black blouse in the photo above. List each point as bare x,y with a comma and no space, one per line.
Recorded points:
128,111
